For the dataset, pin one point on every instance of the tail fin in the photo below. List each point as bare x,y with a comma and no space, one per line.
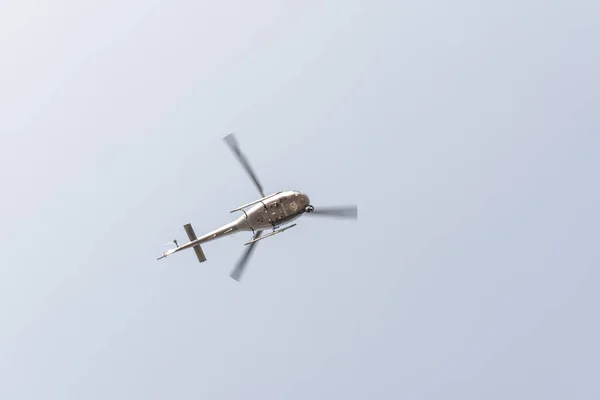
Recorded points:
192,236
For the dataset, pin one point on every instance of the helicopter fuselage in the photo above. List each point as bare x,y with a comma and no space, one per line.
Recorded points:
274,211
271,212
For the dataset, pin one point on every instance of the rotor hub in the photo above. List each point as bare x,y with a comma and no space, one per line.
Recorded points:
309,209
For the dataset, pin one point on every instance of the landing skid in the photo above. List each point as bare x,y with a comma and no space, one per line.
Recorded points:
270,234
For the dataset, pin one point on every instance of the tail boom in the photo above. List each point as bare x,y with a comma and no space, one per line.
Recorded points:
195,242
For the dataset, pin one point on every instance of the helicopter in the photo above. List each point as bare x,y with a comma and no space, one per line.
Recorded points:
273,212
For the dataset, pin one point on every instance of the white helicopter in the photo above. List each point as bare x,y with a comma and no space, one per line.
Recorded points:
274,212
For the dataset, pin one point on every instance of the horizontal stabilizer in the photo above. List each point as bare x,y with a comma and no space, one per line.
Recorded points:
192,236
190,232
199,253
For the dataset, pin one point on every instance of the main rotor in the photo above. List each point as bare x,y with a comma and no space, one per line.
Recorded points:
346,212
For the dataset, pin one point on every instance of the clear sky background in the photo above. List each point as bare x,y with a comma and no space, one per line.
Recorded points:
466,131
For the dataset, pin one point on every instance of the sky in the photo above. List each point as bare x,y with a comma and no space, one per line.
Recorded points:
466,132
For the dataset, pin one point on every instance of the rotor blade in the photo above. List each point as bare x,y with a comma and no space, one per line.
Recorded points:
233,145
349,212
236,273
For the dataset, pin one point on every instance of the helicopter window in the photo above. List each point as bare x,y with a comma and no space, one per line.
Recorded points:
283,198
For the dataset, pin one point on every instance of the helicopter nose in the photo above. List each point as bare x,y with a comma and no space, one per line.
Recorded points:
306,203
305,198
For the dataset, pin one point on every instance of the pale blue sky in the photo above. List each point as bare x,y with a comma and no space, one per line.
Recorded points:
467,132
